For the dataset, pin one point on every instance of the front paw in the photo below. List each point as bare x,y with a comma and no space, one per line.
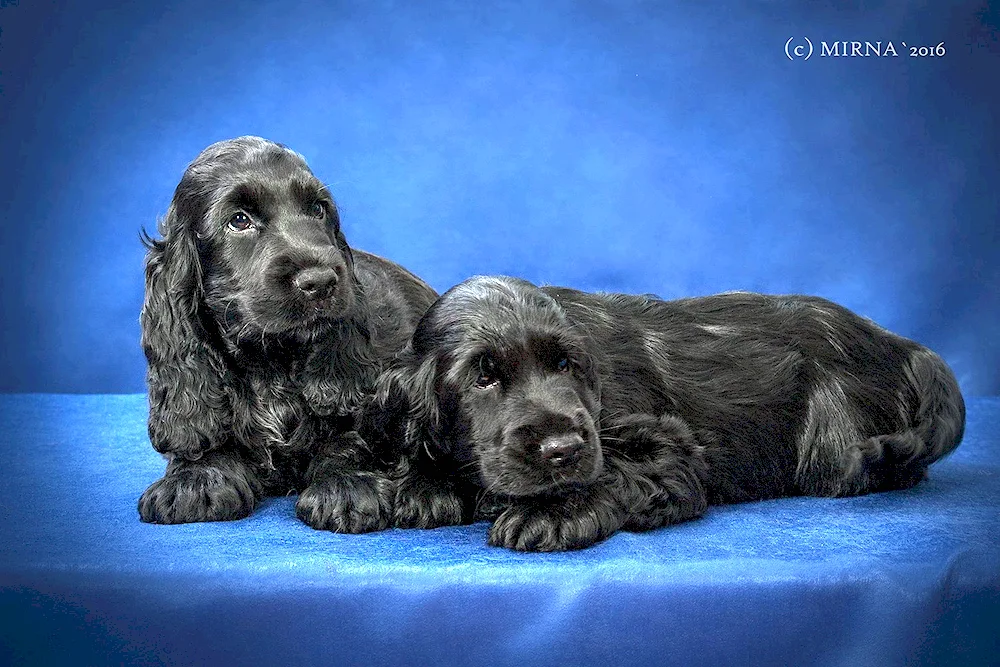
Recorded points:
184,438
426,504
197,493
557,526
358,502
652,436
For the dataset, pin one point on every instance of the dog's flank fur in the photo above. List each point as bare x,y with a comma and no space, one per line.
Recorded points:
264,334
565,416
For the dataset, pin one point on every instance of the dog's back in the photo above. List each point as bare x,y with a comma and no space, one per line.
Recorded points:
396,298
789,394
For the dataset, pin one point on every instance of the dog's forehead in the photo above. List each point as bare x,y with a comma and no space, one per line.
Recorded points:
272,171
510,329
263,185
507,320
248,161
502,308
266,184
245,150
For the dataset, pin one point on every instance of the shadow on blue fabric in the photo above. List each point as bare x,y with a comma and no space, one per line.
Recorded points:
622,146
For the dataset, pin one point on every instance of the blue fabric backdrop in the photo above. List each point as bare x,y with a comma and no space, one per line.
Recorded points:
627,145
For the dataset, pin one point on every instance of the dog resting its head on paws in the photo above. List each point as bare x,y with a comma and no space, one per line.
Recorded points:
565,416
264,333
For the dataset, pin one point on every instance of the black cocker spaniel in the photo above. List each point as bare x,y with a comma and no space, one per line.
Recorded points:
264,334
565,416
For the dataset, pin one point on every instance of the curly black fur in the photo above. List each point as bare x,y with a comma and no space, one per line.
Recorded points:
264,334
566,416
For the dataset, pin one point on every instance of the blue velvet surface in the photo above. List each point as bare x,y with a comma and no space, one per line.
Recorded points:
907,577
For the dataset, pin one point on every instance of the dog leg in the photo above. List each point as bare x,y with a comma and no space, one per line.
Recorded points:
217,487
660,467
652,477
340,496
838,456
426,499
882,463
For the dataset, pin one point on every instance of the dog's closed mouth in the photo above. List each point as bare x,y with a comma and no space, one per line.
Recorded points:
324,304
328,307
570,485
580,475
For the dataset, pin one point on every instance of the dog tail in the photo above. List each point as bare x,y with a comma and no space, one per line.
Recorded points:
938,411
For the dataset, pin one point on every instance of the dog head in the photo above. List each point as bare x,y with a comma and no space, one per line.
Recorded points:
498,377
260,236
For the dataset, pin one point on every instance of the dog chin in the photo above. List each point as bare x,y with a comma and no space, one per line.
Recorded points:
331,308
309,315
303,320
520,484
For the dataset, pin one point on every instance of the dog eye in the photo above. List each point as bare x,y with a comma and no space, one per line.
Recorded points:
240,222
563,365
487,373
317,210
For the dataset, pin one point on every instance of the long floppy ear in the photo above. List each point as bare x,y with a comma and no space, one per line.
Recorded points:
189,409
408,388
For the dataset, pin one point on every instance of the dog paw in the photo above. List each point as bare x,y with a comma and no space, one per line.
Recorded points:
197,493
551,527
425,504
649,434
358,502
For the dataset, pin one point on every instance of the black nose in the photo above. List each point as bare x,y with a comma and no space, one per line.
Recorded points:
561,450
317,282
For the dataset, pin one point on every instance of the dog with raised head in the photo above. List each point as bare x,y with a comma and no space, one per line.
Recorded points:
564,416
264,333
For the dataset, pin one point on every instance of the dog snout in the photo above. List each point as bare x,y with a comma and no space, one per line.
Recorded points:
562,450
559,440
317,283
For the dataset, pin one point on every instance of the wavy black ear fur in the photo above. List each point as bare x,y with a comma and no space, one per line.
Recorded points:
189,408
409,387
341,369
